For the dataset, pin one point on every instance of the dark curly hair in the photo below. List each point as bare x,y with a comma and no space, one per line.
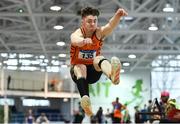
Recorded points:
89,11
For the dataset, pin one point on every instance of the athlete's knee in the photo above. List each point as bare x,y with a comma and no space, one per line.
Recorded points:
98,61
80,71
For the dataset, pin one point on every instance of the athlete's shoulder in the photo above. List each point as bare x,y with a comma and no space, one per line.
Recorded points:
77,32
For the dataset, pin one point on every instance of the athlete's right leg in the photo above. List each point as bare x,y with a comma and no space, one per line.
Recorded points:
80,74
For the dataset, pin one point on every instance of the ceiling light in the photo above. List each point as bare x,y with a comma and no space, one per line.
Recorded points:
178,57
46,60
43,70
35,62
52,69
11,62
58,27
169,18
4,54
20,10
128,18
132,56
55,62
55,8
11,55
168,8
61,43
153,27
64,66
12,67
25,55
43,64
126,64
62,55
122,71
53,57
41,56
28,68
24,62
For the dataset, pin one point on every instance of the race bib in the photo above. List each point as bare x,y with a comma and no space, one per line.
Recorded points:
87,54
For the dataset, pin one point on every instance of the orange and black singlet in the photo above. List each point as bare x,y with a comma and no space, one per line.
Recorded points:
86,54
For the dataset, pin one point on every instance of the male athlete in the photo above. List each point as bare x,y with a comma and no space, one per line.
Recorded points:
87,63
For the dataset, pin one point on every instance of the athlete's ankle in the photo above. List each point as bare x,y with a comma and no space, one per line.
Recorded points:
85,96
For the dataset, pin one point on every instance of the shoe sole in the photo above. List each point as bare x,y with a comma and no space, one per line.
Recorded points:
116,67
86,105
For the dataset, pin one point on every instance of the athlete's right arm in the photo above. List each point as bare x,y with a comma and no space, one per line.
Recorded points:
77,39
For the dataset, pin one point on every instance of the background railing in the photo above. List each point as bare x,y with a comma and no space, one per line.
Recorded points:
19,118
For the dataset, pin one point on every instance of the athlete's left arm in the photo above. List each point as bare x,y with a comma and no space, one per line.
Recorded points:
113,22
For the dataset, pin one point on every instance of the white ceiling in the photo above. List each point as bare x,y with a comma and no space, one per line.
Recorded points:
32,30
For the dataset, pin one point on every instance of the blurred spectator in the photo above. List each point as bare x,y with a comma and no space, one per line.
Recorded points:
172,112
164,96
149,109
163,103
117,108
42,119
126,117
108,118
168,107
78,117
59,85
144,116
81,110
29,119
99,115
137,116
149,106
53,83
93,119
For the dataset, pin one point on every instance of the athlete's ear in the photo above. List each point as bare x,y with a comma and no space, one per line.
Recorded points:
83,20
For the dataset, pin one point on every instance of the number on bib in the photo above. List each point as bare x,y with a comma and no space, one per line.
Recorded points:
87,54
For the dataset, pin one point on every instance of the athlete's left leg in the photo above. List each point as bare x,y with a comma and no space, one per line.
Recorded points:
111,70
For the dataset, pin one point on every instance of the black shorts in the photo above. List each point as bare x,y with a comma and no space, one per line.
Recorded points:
92,75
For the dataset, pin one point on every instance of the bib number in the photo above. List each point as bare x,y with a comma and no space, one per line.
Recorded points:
87,54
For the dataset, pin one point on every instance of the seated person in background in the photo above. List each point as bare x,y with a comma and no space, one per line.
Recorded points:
29,119
172,112
42,119
168,108
164,99
53,83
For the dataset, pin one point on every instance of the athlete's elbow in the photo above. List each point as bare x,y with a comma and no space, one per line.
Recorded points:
77,43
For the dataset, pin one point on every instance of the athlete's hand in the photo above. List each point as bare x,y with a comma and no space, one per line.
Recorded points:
122,12
87,41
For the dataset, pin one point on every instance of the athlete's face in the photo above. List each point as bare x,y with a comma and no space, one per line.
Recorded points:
90,23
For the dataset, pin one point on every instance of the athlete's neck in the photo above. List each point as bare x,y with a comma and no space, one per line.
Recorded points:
87,33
